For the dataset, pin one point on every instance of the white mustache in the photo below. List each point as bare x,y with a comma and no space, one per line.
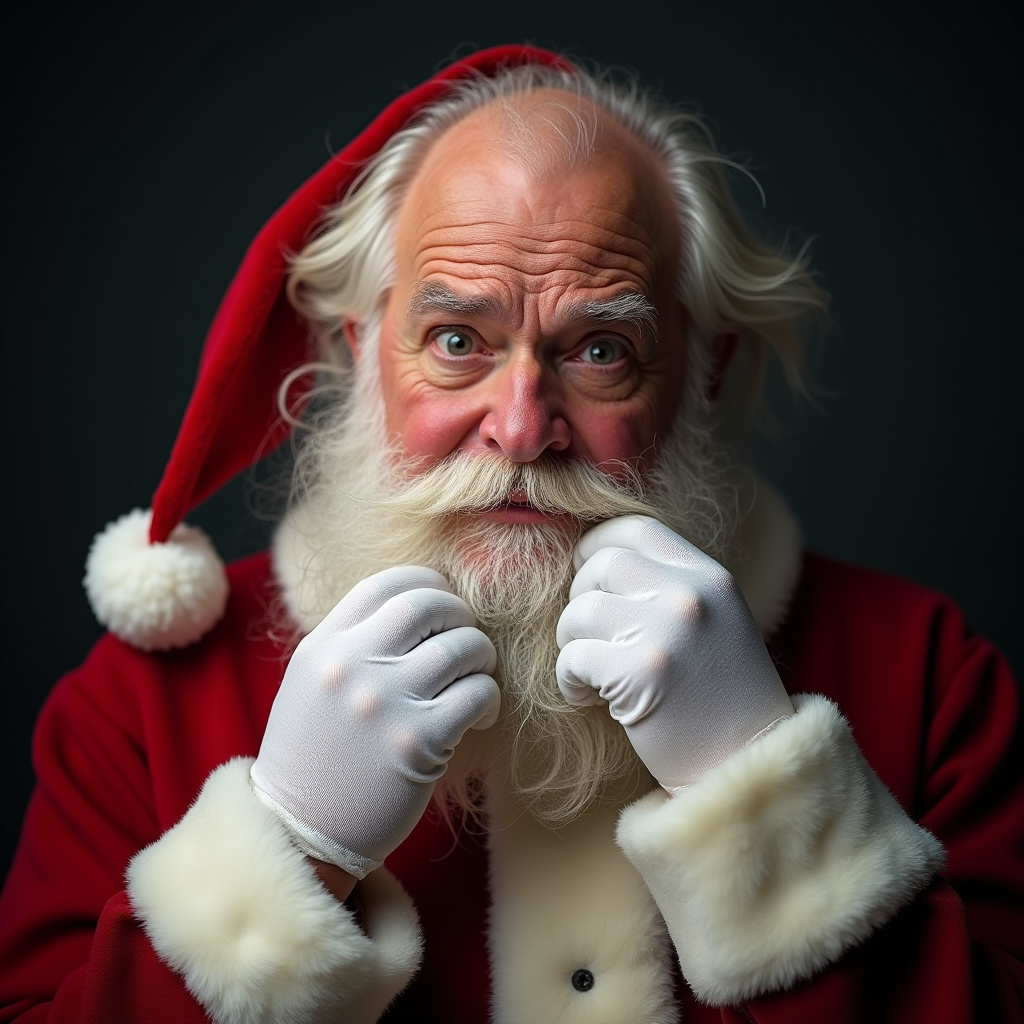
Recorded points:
468,483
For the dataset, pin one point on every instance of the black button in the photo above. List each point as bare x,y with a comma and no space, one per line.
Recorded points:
582,980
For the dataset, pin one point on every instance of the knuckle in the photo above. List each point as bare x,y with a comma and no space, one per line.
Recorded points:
407,746
689,605
332,674
657,661
721,579
405,740
364,702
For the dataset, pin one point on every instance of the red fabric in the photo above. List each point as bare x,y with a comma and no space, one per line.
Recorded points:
125,743
256,338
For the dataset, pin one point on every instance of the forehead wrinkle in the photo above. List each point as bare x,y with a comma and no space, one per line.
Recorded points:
539,272
612,227
594,246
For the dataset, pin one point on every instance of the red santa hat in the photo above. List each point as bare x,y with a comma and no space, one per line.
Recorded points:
151,579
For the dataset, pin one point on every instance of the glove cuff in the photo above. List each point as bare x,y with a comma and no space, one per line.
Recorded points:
313,843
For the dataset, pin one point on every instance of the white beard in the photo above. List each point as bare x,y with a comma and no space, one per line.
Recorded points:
361,507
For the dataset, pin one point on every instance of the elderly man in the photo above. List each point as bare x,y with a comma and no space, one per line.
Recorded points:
512,641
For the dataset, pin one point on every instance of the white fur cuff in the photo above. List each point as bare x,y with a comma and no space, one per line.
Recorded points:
778,860
232,906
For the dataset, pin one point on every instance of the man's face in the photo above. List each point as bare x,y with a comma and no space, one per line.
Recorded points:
533,310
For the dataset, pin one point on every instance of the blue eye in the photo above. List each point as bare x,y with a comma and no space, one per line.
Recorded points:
455,343
602,352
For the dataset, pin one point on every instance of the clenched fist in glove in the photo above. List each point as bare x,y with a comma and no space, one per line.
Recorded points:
661,632
372,705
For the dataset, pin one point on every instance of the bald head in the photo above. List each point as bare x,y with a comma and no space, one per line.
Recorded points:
545,136
545,131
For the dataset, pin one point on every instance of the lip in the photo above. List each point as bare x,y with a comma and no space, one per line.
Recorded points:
518,510
517,514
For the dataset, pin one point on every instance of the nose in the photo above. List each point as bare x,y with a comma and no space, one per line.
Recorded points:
523,419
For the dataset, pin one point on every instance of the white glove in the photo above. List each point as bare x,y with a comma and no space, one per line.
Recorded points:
372,705
661,632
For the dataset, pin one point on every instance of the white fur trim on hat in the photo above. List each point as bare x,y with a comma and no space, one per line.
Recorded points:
155,596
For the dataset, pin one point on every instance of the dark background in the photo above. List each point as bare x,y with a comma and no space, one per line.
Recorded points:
145,145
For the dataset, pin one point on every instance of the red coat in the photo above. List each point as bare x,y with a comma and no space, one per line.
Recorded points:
126,742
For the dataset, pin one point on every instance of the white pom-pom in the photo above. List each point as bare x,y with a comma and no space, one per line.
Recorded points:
155,596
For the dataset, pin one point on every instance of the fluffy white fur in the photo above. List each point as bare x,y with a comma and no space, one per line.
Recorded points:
237,911
780,859
155,596
564,899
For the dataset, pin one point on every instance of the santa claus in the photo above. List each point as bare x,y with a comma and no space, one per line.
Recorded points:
536,710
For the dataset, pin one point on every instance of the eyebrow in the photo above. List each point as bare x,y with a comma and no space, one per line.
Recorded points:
434,297
630,307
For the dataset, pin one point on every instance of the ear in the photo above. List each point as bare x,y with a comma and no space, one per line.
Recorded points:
353,331
723,348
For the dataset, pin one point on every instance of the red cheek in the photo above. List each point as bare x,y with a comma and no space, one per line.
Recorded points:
610,438
433,426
